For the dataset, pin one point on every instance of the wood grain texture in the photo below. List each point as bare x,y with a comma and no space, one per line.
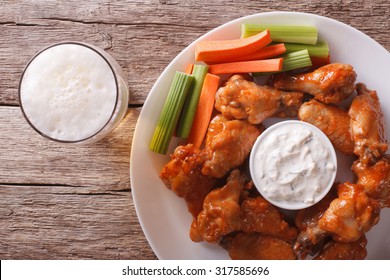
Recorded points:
28,158
144,36
60,201
60,222
74,202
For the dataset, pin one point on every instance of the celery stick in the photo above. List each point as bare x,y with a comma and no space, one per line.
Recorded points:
296,60
305,34
170,113
321,49
199,72
292,61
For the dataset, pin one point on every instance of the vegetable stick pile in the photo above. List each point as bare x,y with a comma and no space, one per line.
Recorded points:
261,50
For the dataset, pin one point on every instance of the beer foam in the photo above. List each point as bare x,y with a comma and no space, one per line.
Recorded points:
68,92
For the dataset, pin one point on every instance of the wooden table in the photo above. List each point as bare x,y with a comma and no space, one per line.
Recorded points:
65,202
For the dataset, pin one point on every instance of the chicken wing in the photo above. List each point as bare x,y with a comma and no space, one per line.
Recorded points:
241,99
221,209
350,215
255,246
194,231
258,215
332,120
344,250
310,236
183,175
347,218
228,144
375,179
367,125
331,83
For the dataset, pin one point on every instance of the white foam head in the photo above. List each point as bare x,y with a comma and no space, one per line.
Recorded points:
68,92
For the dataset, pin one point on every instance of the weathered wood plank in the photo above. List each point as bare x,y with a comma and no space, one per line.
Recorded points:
28,158
78,202
144,36
52,222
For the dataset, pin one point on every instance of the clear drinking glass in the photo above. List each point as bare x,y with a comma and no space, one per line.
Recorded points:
73,92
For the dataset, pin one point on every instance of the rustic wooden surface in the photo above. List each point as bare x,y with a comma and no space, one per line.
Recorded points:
61,202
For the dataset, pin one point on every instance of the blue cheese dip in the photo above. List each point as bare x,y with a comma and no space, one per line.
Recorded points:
293,164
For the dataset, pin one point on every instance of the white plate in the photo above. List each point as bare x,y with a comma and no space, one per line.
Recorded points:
163,216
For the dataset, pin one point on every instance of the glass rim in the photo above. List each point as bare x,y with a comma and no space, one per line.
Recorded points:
98,51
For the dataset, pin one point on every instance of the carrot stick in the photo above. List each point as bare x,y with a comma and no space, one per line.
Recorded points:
228,49
204,110
266,65
189,68
263,53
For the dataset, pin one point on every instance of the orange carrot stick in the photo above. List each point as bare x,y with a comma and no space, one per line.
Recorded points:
189,68
228,49
266,65
204,110
263,53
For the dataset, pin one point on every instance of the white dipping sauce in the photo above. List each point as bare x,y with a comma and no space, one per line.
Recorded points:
293,164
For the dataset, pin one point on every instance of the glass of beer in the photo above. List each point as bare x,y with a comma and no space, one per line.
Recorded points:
73,92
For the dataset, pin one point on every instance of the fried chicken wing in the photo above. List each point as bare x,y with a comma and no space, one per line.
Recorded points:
350,215
183,175
331,83
310,236
345,218
332,120
290,102
258,215
375,179
221,209
255,246
367,125
344,250
228,144
194,232
241,99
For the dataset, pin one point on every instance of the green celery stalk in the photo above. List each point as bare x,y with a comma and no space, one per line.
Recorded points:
296,60
292,61
170,113
199,72
302,34
321,49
